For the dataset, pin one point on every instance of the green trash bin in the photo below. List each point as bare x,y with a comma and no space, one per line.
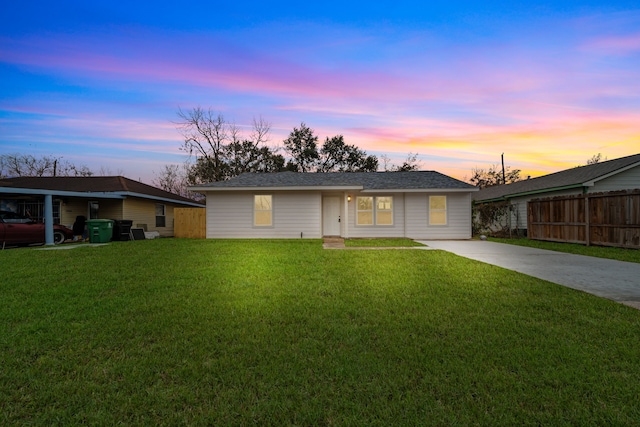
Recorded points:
100,230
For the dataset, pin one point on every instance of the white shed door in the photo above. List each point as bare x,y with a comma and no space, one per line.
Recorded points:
331,216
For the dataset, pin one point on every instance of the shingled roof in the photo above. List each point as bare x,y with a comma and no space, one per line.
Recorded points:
92,184
566,179
415,180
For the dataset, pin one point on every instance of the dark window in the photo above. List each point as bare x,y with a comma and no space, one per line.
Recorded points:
160,216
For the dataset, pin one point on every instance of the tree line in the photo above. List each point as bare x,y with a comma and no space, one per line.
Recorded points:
219,150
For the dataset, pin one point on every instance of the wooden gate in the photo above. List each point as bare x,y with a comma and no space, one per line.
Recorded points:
603,219
190,223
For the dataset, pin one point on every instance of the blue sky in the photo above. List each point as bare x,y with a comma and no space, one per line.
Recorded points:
549,85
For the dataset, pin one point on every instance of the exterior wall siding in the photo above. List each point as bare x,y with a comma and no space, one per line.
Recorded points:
230,215
361,231
458,217
519,213
627,180
143,212
71,208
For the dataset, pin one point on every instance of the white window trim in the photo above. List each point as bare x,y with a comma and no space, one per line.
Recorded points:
383,210
367,210
374,212
445,210
255,225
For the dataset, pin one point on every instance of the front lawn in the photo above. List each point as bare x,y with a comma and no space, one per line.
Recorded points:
391,243
202,332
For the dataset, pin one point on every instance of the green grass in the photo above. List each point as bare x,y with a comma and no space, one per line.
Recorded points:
202,332
398,243
620,254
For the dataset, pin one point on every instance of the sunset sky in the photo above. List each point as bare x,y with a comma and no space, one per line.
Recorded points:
549,84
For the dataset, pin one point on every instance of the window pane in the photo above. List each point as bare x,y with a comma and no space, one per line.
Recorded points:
384,203
437,210
438,218
263,203
365,218
263,218
159,210
384,218
262,210
365,203
438,202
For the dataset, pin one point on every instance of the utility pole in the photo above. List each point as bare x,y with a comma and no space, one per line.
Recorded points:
504,180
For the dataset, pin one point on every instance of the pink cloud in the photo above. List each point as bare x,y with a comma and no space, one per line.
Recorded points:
620,45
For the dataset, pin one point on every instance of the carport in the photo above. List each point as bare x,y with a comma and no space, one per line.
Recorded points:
48,195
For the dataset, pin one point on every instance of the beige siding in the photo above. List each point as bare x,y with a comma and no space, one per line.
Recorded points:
143,212
230,215
71,208
458,217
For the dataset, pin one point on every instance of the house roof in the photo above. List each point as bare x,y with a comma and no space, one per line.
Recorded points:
581,176
402,181
90,186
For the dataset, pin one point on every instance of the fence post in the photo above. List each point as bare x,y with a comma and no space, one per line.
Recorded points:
587,221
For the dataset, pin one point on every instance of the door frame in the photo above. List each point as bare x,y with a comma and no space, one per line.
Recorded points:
330,206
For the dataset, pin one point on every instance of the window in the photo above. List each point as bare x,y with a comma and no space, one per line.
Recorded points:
94,207
383,213
437,210
364,214
384,210
35,210
160,216
262,210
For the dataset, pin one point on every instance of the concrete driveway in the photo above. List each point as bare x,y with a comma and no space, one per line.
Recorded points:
615,280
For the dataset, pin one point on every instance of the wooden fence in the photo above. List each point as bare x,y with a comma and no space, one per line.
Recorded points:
602,219
190,223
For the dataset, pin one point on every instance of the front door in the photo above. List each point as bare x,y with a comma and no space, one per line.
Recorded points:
331,216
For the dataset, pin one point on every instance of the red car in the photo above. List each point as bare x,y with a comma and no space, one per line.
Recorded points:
16,229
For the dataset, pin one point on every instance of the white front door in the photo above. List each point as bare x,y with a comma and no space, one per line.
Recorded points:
331,216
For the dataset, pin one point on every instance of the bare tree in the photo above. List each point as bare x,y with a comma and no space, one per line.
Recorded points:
596,158
220,149
15,165
175,179
411,163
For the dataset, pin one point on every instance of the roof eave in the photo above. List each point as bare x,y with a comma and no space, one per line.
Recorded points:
92,194
279,188
61,193
610,174
533,192
422,190
160,199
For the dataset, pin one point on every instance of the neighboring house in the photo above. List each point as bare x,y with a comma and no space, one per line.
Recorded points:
103,197
418,205
611,175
